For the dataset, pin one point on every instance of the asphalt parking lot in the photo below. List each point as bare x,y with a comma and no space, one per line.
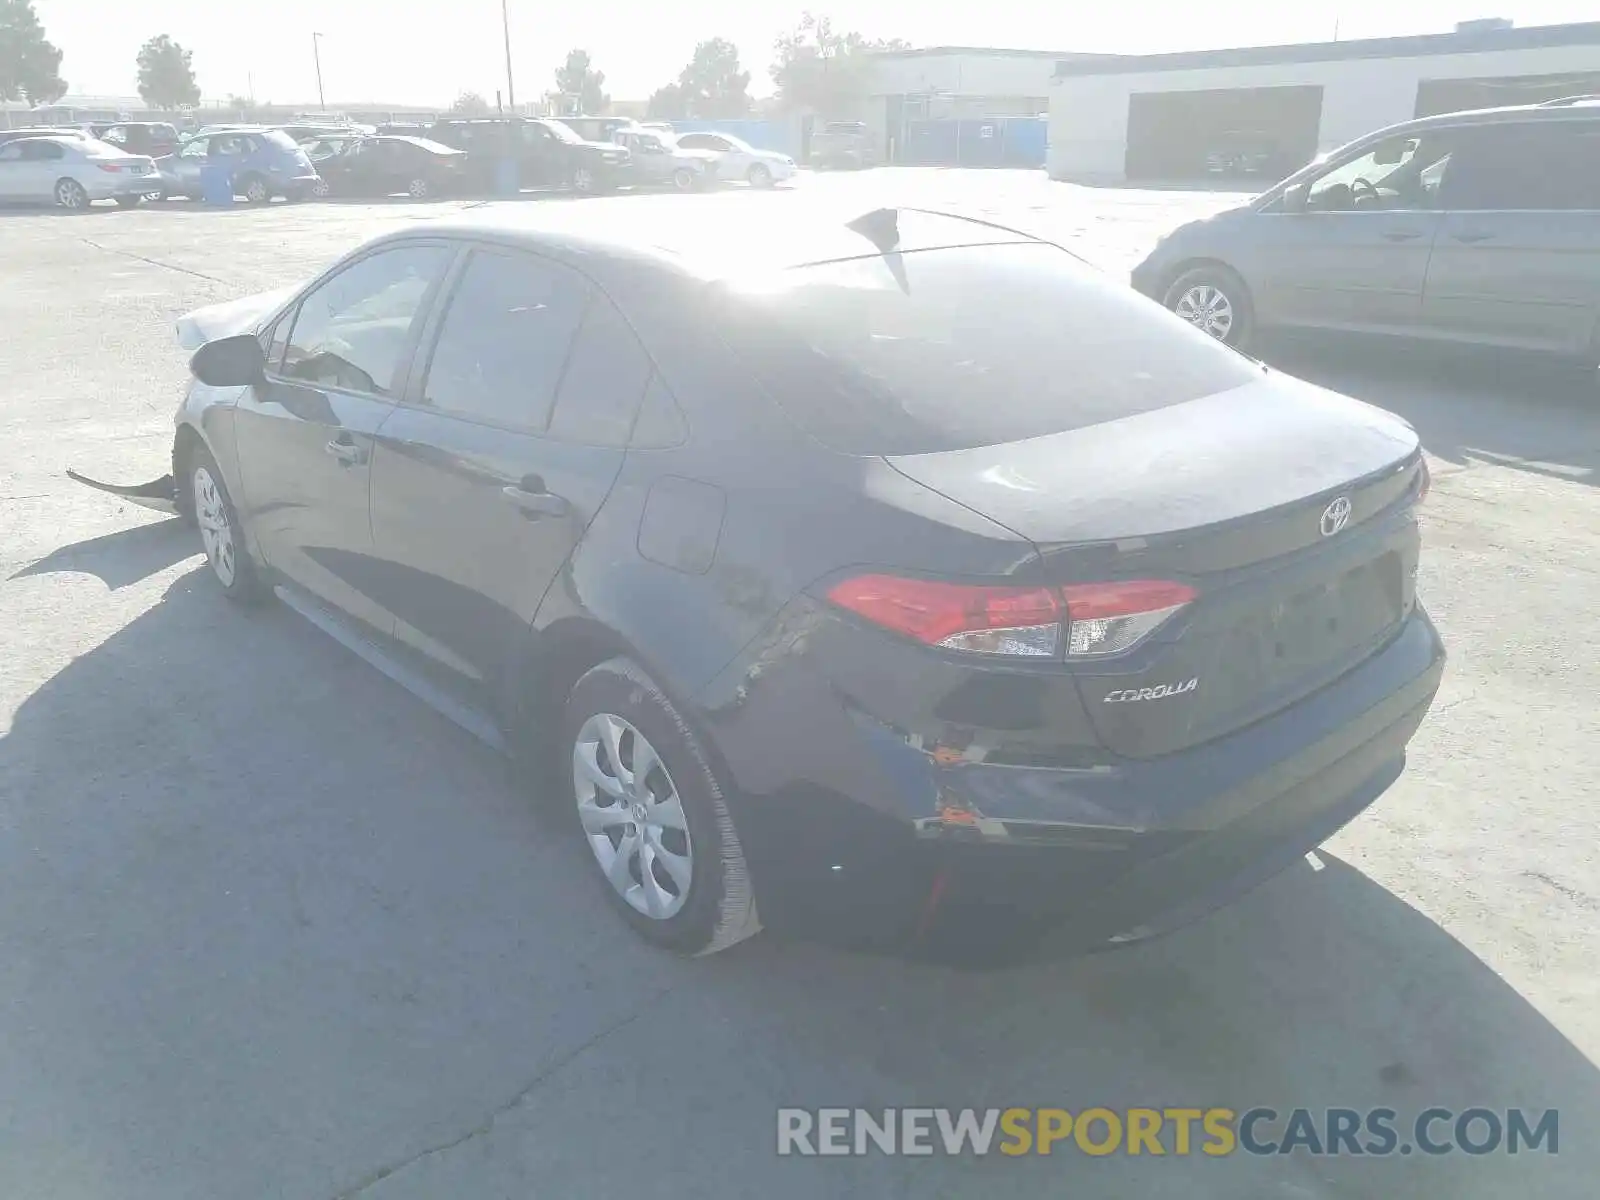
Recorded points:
269,927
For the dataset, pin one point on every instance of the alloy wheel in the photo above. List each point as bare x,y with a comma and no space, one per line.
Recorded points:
216,531
70,194
1207,308
760,176
417,189
683,179
583,180
632,816
256,191
319,189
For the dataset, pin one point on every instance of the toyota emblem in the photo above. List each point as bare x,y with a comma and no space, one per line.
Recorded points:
1336,516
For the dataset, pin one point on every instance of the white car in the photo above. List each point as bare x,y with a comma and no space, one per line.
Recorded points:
73,172
741,160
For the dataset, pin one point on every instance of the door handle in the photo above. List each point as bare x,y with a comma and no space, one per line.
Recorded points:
1401,235
1472,236
348,453
532,500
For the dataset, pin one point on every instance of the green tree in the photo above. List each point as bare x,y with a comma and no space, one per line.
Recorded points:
667,103
470,104
166,74
30,67
712,85
824,71
577,77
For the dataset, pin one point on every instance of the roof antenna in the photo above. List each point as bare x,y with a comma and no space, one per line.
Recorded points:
880,227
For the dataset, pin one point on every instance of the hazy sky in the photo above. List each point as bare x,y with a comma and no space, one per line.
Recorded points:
404,52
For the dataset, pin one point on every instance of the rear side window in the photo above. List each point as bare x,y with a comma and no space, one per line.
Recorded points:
279,140
604,380
1545,166
504,342
956,348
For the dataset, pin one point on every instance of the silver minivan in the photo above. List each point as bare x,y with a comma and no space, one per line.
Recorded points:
1479,227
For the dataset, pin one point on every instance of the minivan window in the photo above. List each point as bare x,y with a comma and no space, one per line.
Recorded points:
352,331
503,345
958,348
1529,167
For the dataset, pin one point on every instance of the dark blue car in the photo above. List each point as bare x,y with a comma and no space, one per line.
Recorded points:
262,163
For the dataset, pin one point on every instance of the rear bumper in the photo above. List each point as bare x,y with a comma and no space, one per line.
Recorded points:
1089,853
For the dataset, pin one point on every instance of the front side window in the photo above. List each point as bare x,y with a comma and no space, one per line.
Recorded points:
353,330
504,342
42,151
1394,174
11,153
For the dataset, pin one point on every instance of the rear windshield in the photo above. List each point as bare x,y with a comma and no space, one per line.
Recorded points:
280,139
957,348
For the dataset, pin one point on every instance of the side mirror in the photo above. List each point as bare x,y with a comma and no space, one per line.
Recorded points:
230,362
1294,198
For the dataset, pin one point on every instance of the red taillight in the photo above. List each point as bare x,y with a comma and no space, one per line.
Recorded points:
958,616
112,167
1098,618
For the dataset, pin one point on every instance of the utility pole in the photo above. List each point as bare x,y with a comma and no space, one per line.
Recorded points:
505,28
316,56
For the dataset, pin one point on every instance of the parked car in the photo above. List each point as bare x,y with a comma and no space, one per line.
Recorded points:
846,144
600,129
657,159
738,159
72,172
1242,153
813,573
320,149
548,153
1478,227
155,138
263,163
382,166
11,135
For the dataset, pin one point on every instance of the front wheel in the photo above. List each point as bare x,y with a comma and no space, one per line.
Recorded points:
760,177
583,181
319,188
1215,301
419,189
652,812
220,531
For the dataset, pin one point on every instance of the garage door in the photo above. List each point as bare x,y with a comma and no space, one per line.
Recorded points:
1254,135
1436,96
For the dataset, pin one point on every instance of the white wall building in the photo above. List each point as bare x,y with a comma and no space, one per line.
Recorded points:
1163,116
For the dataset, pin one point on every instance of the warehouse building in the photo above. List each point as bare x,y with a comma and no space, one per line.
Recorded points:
1266,110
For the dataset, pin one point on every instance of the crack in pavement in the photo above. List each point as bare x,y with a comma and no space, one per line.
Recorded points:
154,262
488,1123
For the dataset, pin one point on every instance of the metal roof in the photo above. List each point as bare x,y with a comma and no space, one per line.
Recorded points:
1476,41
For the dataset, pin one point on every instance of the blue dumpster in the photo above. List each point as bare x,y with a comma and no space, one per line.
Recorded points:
216,184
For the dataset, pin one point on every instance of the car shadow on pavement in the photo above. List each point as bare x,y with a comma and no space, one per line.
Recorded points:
121,558
1468,404
269,926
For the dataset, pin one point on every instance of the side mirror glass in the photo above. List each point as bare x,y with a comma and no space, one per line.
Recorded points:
1294,198
230,362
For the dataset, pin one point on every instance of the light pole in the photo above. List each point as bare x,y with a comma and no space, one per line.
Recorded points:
316,57
505,28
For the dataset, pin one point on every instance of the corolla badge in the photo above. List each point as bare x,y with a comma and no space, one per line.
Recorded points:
1159,692
1336,516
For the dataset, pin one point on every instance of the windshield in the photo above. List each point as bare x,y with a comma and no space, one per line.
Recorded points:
958,348
561,132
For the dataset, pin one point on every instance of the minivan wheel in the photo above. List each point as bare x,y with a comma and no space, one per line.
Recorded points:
651,811
70,194
220,532
255,189
1215,301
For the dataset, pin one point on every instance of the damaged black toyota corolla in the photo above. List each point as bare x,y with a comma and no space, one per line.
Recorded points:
877,576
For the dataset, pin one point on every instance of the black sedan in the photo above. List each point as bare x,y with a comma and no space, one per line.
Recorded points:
386,165
816,578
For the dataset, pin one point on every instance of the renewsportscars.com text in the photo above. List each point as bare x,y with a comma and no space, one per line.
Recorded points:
1162,1131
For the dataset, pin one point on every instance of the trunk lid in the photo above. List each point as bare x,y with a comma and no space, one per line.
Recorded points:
1228,493
244,315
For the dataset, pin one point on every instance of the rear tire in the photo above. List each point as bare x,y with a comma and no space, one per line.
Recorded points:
684,180
1214,300
71,195
255,189
419,189
221,532
673,822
